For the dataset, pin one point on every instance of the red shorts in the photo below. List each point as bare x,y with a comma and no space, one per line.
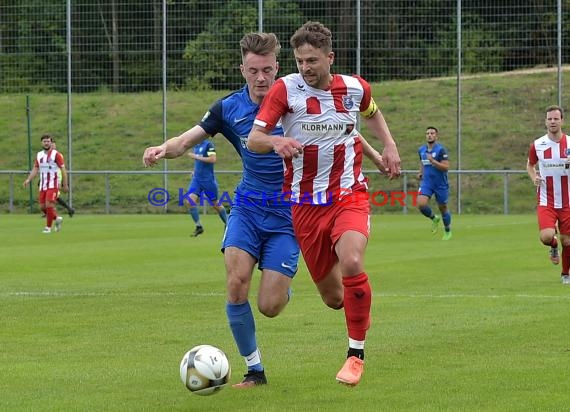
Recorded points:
318,228
49,195
548,216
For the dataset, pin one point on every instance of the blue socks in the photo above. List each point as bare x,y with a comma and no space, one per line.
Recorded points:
427,212
446,217
195,214
223,215
242,324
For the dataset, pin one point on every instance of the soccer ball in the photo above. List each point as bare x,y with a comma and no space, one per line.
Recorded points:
205,369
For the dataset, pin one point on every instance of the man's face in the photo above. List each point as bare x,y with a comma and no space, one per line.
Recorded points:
46,143
431,135
259,73
314,65
554,121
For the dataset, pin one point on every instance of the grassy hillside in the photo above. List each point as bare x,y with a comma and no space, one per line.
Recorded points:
500,116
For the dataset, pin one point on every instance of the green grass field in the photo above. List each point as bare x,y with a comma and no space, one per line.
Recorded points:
97,318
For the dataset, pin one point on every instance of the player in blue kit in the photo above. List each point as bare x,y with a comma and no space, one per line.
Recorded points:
434,164
259,228
203,188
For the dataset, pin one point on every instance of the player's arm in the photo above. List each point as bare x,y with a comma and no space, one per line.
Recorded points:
421,171
372,154
532,173
531,163
211,158
377,125
442,165
260,141
175,146
33,173
64,181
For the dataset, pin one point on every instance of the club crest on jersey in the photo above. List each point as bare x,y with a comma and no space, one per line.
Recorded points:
347,102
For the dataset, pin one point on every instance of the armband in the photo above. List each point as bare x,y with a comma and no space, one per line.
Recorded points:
370,110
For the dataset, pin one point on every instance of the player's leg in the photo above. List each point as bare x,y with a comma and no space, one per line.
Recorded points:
194,189
442,198
241,248
425,194
51,213
350,237
43,207
547,218
278,263
62,202
211,191
564,228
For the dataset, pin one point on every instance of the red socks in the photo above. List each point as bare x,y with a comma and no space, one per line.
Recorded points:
357,304
51,215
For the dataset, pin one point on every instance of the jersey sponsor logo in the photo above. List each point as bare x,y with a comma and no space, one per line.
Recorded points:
552,165
330,129
347,102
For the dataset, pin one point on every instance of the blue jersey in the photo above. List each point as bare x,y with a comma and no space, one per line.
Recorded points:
432,176
233,117
204,171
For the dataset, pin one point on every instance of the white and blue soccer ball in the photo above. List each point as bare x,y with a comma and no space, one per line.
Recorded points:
205,370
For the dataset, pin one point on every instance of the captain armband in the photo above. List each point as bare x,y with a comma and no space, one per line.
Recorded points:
370,110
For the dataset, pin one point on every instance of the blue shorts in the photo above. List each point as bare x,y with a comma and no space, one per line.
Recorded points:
209,188
441,193
266,233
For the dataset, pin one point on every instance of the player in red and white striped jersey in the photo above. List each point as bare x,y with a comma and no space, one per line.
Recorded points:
48,162
323,156
551,153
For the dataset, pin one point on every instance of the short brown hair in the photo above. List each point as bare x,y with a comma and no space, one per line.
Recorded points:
554,107
314,34
47,136
261,44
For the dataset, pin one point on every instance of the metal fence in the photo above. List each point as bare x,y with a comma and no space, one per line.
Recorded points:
487,191
62,50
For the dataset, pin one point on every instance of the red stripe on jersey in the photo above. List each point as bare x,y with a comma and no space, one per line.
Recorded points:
288,177
357,168
313,105
532,156
564,190
336,171
563,145
310,167
367,96
548,153
549,189
338,91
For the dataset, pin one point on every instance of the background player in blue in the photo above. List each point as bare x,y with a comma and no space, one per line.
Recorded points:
203,187
259,228
434,164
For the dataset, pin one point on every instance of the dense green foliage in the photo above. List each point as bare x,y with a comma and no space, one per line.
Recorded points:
117,44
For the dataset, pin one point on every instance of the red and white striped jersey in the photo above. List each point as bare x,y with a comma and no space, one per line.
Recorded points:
554,168
324,121
48,164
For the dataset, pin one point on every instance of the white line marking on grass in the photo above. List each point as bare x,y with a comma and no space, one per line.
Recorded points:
56,294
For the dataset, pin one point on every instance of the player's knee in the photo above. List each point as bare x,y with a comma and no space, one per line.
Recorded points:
270,306
335,302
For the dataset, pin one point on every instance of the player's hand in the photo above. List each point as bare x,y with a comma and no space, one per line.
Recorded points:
419,176
65,188
287,147
538,180
152,155
26,183
391,160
